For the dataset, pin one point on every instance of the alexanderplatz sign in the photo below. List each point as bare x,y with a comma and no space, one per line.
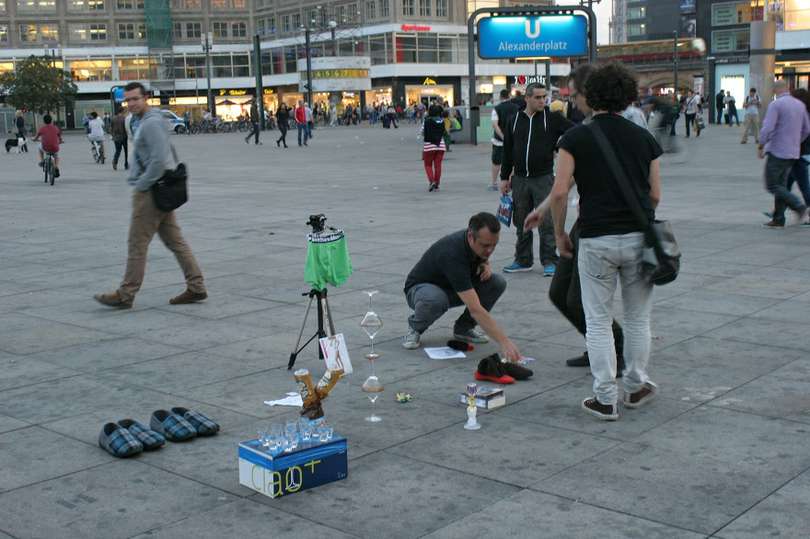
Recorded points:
540,32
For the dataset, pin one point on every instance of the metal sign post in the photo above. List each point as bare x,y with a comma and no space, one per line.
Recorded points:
559,31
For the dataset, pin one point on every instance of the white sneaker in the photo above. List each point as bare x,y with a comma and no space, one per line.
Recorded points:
411,340
474,335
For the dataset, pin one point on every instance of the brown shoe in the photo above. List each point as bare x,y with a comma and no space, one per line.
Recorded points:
640,397
188,297
112,299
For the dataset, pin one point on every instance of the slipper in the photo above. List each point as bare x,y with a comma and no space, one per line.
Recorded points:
173,427
201,423
490,369
150,439
118,442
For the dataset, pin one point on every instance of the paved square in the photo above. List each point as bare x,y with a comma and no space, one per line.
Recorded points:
722,453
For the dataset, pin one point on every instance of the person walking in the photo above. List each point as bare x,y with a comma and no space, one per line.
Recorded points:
118,130
799,170
528,150
719,106
692,109
150,158
310,120
19,123
751,119
254,125
786,125
434,146
301,123
731,110
500,116
283,121
612,240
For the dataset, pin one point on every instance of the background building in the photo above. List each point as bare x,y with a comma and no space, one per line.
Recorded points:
417,48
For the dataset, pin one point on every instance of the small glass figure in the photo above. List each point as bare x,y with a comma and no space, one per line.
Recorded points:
472,410
371,324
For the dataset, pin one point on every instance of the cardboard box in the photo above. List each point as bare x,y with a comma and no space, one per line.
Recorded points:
306,467
488,398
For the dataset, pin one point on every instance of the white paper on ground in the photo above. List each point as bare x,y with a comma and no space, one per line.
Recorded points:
444,352
292,399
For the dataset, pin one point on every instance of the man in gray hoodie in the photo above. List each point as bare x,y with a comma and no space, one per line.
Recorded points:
150,161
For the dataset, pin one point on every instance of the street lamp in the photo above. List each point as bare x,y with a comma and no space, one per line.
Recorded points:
307,45
207,43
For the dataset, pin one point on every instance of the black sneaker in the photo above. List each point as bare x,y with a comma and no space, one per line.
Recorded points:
774,224
432,187
490,369
517,371
579,361
605,412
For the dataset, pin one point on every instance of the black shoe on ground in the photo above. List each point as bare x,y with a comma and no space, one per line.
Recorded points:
773,224
605,412
517,371
579,361
56,173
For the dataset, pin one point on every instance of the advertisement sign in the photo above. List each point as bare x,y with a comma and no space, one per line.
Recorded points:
520,37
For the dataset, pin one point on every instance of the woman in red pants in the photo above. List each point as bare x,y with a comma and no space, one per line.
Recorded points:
434,148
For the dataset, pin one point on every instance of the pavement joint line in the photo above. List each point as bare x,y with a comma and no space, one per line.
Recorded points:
4,493
67,377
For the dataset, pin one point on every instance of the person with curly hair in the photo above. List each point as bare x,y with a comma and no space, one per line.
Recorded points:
611,238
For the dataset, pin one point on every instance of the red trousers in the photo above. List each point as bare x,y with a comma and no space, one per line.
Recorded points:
433,165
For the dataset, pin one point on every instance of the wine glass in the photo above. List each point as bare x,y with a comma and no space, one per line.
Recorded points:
371,324
372,387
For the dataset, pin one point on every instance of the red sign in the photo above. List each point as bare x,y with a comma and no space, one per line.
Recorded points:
414,28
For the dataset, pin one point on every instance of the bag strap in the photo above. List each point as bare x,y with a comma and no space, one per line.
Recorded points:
174,154
631,195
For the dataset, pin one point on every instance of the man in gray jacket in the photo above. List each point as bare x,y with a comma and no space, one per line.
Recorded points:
150,161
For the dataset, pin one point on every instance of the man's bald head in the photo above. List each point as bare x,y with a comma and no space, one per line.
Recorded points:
780,86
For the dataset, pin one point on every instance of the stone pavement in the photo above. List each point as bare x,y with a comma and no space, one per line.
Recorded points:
722,453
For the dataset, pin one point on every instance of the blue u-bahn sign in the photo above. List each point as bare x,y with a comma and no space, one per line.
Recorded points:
523,36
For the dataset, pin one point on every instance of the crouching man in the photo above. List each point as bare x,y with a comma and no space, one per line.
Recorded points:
455,271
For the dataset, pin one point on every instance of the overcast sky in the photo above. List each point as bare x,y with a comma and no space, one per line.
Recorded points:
603,18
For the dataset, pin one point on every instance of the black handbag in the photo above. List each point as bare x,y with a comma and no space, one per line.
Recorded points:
661,260
171,190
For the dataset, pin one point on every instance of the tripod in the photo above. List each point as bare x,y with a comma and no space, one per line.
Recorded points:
323,302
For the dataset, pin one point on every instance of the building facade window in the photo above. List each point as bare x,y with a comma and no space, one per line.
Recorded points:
441,8
39,33
728,13
285,23
220,29
128,5
730,40
371,9
194,68
296,21
86,5
352,14
408,8
134,68
87,32
3,33
131,31
221,65
187,5
636,29
238,29
193,30
2,6
636,12
241,65
385,9
424,8
36,6
91,70
177,30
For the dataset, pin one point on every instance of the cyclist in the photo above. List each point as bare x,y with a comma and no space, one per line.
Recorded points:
96,134
51,139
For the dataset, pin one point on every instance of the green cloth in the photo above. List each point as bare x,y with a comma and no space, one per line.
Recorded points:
327,263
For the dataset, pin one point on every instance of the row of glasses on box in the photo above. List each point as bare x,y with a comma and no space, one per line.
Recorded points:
303,432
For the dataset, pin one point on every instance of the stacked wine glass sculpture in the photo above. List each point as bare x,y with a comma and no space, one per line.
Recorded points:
371,324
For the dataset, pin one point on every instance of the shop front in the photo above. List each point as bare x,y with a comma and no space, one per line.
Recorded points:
797,74
233,104
426,90
337,81
379,95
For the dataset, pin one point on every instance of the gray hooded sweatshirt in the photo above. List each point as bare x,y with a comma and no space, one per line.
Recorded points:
151,155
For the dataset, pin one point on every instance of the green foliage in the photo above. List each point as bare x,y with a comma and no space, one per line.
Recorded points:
37,85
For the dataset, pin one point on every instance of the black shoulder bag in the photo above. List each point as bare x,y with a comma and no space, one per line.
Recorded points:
661,260
171,190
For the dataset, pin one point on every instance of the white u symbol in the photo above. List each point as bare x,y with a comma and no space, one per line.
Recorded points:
533,34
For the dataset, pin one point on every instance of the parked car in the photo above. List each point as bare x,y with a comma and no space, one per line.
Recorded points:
176,123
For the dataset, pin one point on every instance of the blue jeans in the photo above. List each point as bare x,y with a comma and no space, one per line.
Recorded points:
799,175
302,129
602,262
776,181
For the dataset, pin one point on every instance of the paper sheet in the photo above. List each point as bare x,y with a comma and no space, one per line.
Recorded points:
444,352
292,399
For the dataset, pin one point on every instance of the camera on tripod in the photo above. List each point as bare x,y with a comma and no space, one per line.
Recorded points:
317,222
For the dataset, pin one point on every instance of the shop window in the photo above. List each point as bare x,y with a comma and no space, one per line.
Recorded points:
424,8
238,29
6,67
428,47
220,29
385,10
796,17
86,5
87,32
290,64
405,46
371,9
193,30
91,70
377,49
221,66
447,49
36,6
241,65
408,8
133,68
441,8
129,5
730,40
3,33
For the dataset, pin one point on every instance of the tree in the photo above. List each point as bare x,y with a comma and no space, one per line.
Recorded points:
37,85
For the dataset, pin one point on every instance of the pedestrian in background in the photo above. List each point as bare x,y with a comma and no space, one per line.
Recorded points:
254,125
283,121
719,106
19,123
118,130
692,109
301,123
433,131
751,119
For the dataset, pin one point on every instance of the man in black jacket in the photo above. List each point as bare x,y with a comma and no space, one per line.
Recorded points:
530,140
719,105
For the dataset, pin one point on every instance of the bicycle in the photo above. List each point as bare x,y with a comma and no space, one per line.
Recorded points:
48,168
97,151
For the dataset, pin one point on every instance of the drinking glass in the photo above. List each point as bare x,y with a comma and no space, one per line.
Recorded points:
291,427
276,430
371,324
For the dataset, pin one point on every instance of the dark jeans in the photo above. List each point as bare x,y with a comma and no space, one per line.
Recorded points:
799,176
429,302
282,127
118,147
690,120
254,132
719,116
527,194
776,177
303,133
566,295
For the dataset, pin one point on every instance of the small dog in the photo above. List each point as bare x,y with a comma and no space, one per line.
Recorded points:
20,143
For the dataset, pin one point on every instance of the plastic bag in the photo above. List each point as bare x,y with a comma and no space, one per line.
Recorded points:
504,212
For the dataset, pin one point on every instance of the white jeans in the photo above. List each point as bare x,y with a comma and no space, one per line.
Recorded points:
601,261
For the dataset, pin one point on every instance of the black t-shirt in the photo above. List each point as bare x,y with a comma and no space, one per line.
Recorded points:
602,209
449,264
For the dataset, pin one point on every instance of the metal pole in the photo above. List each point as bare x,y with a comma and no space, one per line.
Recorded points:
473,102
257,69
309,66
548,79
675,63
209,38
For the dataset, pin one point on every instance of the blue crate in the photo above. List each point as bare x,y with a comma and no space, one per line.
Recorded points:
307,467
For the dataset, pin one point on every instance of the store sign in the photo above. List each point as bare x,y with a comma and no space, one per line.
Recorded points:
428,82
268,91
340,74
414,28
234,93
523,80
520,37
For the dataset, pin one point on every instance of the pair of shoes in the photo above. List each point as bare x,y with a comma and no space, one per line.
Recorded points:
548,270
641,397
490,369
181,424
188,297
411,340
119,441
112,299
514,267
115,166
472,335
773,224
605,412
432,187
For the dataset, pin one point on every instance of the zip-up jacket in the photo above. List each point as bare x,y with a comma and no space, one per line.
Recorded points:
529,143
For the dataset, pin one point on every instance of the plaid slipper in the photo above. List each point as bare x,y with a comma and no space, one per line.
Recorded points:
173,427
202,424
118,442
150,439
